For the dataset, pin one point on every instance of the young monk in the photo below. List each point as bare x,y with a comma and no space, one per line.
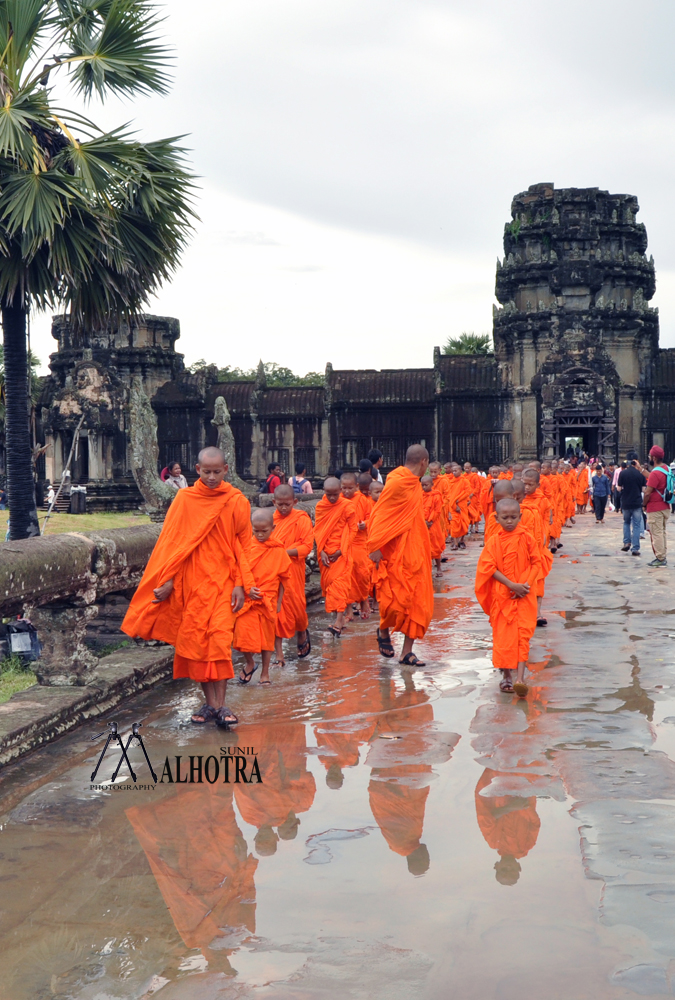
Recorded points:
506,575
549,486
503,489
398,537
293,528
195,581
433,515
441,484
334,530
459,494
254,629
362,567
364,479
583,487
535,500
379,572
475,510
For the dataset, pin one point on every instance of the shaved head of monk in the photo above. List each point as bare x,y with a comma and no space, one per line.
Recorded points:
456,470
467,466
348,484
494,471
375,489
518,487
517,470
331,489
262,522
434,469
427,483
448,468
508,513
417,459
364,480
502,488
534,465
546,468
211,467
284,499
530,481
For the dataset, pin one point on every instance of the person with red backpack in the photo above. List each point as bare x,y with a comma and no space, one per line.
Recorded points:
656,501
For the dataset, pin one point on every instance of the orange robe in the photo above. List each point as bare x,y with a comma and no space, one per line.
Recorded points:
362,568
513,620
540,507
459,492
475,509
200,548
433,511
335,528
287,786
511,831
256,623
441,486
294,531
397,528
550,490
582,487
487,497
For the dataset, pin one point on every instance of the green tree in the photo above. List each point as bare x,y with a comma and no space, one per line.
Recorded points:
34,386
468,343
90,221
276,375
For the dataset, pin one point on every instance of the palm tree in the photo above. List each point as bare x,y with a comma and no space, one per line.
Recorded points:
90,221
468,343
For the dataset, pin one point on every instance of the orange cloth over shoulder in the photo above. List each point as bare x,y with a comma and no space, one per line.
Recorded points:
295,531
487,499
200,548
458,494
513,620
397,529
255,626
362,569
335,528
539,506
433,511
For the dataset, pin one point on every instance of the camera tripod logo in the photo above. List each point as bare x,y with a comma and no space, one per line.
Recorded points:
115,737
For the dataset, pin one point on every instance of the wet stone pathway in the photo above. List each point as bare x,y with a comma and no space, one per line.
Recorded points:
416,834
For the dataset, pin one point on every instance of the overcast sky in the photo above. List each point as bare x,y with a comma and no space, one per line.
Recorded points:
357,161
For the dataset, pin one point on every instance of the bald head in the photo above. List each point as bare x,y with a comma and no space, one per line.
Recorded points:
502,488
331,489
534,465
211,467
262,522
417,459
518,489
508,513
532,475
284,492
211,455
348,477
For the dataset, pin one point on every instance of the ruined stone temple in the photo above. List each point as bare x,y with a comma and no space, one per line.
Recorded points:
576,355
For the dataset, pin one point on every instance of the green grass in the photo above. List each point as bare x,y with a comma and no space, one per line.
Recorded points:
14,676
60,523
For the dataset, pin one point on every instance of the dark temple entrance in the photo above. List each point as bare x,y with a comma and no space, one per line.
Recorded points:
595,429
587,435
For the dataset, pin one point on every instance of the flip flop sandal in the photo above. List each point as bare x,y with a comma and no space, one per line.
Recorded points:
204,713
541,622
308,644
225,718
506,687
265,682
520,688
410,660
337,632
246,679
385,646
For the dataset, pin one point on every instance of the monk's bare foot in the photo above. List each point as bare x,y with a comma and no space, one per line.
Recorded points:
279,658
202,715
365,610
506,683
304,645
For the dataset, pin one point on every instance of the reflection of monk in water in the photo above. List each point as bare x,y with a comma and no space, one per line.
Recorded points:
510,826
201,863
287,787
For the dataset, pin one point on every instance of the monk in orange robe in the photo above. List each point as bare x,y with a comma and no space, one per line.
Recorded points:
293,528
459,493
548,481
503,489
583,487
475,510
509,824
362,567
487,500
506,576
255,627
534,500
433,515
334,530
398,536
571,484
379,573
195,581
442,486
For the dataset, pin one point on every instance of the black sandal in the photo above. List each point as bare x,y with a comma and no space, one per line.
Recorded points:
204,713
246,679
541,622
385,647
337,632
410,660
225,718
307,643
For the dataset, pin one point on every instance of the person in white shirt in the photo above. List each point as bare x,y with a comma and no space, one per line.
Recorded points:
173,476
298,482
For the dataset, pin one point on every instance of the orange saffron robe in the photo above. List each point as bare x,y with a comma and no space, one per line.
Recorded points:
487,499
295,531
433,511
201,548
287,787
582,487
549,487
540,508
513,620
441,486
475,508
335,528
255,626
510,831
362,568
458,493
398,529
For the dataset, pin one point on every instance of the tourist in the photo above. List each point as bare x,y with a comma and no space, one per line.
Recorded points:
299,482
195,582
630,484
362,567
656,507
173,476
376,460
335,528
255,627
433,515
616,489
601,486
459,492
398,537
274,478
293,528
509,601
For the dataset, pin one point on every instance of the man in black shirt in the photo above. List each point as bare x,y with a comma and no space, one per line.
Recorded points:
631,482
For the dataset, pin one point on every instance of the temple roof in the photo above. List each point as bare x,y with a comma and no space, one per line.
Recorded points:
463,373
391,385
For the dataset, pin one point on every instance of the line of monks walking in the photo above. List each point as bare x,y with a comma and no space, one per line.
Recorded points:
223,577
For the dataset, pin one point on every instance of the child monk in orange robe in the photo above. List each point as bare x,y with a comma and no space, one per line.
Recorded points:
535,501
380,571
441,484
433,515
255,628
506,576
458,493
195,581
362,567
335,528
293,528
502,490
399,537
583,486
549,486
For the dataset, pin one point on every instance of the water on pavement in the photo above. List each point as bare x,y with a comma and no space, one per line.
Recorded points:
416,833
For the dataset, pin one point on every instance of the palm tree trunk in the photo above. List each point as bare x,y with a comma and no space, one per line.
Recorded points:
23,521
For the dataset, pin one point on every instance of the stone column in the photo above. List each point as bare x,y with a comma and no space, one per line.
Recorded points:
65,660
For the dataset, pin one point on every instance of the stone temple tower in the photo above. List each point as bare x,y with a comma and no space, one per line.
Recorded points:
575,339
